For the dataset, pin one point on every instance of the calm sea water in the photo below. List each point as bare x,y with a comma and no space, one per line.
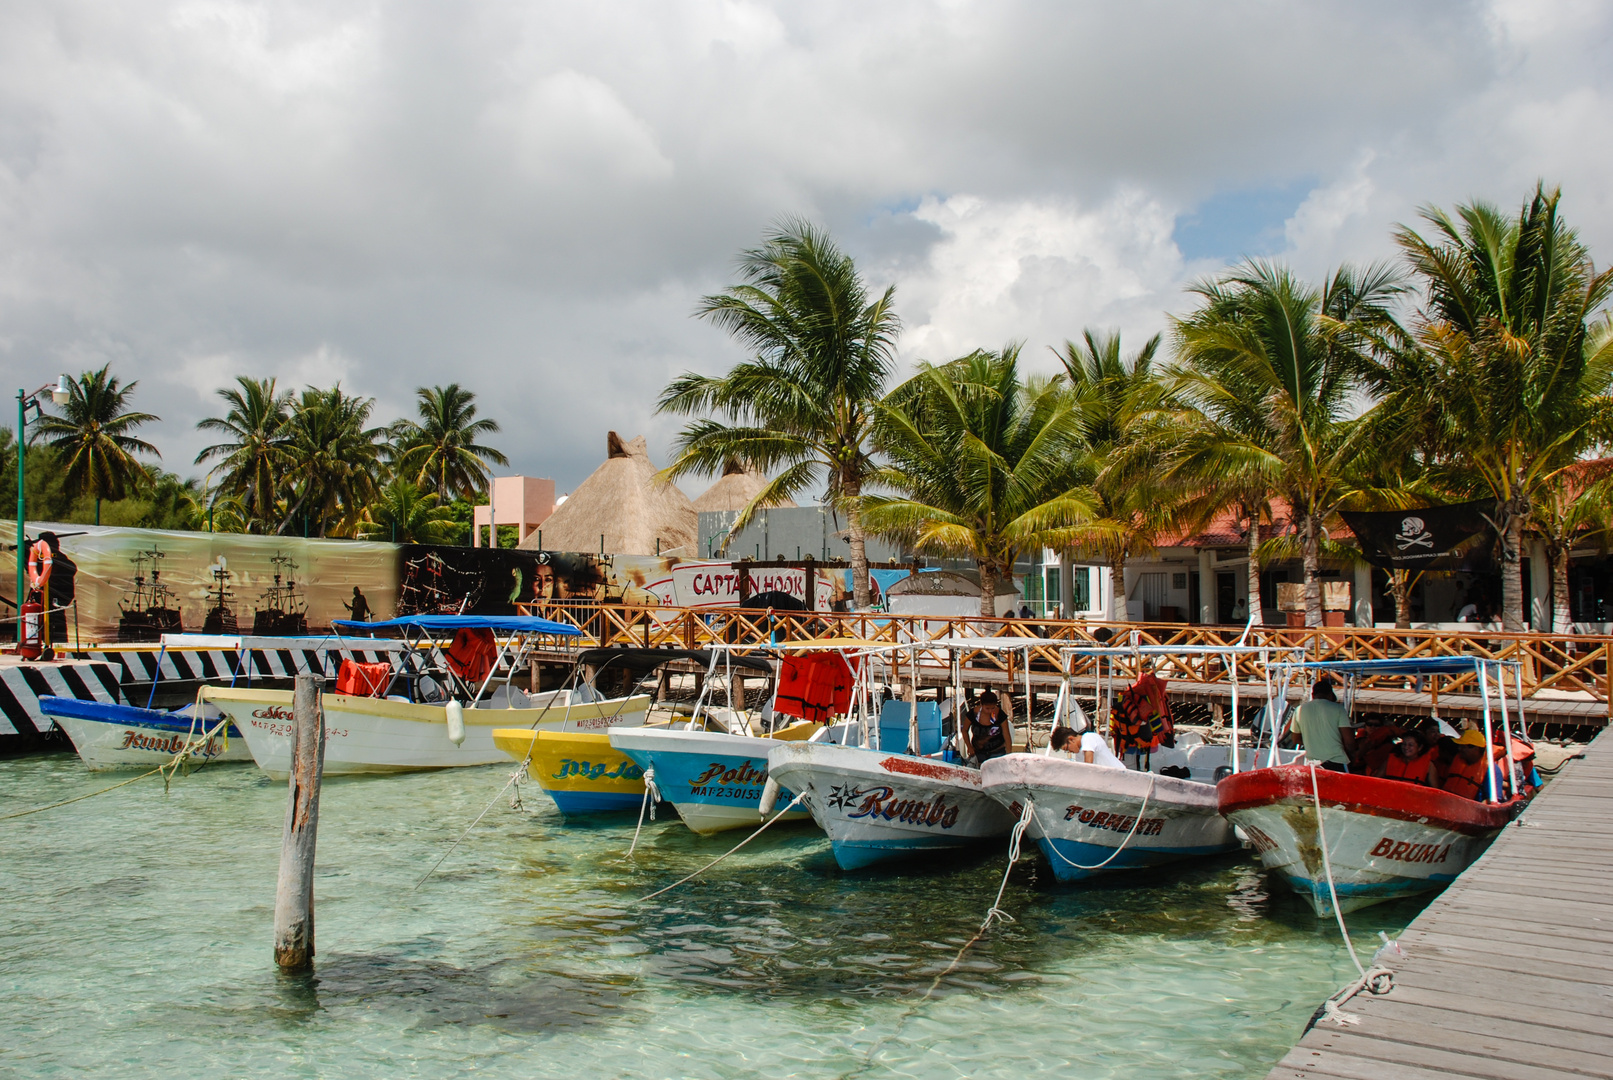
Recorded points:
137,942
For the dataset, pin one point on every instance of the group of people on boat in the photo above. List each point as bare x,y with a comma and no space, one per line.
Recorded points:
1460,763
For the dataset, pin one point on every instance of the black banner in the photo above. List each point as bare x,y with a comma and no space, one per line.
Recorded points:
1431,538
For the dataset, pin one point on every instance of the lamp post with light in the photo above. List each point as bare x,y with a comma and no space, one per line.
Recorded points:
60,394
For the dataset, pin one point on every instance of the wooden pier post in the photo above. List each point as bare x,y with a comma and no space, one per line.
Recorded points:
294,893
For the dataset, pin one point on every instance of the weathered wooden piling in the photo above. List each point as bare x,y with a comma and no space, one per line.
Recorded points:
294,893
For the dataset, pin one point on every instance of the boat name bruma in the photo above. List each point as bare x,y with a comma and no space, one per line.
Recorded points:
881,802
598,770
134,740
1103,819
717,772
1401,851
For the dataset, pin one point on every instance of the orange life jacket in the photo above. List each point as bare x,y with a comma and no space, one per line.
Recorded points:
1133,725
472,654
1419,770
1467,780
363,680
1374,746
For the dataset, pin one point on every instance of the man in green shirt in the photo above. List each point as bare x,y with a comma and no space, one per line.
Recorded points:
1324,728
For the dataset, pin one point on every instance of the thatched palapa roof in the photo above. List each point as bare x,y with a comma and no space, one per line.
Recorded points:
734,490
625,502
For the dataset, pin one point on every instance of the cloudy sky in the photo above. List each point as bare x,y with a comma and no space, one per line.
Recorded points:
529,198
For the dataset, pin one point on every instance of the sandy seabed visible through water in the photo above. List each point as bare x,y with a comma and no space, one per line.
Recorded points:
138,932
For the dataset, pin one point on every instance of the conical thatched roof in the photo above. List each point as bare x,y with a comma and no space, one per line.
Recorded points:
738,485
624,501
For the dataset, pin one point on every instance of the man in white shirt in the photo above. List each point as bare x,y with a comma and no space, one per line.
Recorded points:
1087,746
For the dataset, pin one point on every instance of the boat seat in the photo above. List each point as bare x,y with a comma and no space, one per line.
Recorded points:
895,720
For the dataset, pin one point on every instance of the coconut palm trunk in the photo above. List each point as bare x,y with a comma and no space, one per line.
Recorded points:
1313,571
1561,612
988,589
1400,582
861,594
1512,614
1257,610
1117,587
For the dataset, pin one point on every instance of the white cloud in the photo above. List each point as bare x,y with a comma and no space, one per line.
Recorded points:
530,198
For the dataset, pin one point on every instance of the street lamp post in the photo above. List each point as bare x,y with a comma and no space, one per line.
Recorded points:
59,395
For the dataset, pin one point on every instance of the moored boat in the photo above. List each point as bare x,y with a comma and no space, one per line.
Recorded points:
713,778
109,736
441,720
1366,839
579,770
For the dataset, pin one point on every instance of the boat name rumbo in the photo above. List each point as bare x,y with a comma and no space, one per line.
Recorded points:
134,740
881,802
1401,851
745,773
1103,819
598,770
284,730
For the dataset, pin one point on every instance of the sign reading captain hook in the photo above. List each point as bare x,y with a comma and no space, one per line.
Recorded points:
1431,538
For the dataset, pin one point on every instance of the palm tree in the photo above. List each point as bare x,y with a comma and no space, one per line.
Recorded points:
250,463
985,466
92,435
1126,420
333,459
404,514
440,452
1513,384
1570,512
805,404
1276,364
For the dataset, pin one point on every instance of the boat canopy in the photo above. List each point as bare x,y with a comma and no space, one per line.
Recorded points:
509,624
1410,665
647,660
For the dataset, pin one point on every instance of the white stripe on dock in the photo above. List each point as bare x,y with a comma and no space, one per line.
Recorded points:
1508,973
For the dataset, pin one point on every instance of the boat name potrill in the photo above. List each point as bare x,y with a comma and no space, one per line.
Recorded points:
1103,819
598,770
1402,851
717,772
881,802
134,740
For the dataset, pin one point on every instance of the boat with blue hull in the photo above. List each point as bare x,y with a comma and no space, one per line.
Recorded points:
109,736
715,780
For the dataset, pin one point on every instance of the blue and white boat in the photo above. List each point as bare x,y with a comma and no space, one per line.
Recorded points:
714,779
109,736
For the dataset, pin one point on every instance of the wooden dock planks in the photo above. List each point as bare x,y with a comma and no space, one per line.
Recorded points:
1508,974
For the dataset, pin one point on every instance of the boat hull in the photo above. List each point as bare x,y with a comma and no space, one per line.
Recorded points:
579,770
714,780
1385,838
109,736
878,806
378,735
1084,814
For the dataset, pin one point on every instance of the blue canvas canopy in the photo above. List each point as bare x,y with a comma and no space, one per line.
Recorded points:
1413,665
509,624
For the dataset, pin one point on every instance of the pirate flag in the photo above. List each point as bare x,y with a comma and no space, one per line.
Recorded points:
1432,538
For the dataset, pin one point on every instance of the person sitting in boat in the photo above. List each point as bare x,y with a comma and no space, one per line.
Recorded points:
1468,774
989,732
1086,745
1374,744
1324,729
1413,761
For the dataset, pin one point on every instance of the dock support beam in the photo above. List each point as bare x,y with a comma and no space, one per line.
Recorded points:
294,892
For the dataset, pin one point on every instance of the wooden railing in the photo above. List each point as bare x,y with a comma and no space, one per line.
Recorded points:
1568,667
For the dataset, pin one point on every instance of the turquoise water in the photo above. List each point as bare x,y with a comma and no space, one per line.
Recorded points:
137,942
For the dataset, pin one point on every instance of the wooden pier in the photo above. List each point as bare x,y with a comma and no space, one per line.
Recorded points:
1508,973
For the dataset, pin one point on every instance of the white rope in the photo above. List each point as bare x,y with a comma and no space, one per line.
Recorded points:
1141,810
725,854
1376,980
1014,838
652,795
515,778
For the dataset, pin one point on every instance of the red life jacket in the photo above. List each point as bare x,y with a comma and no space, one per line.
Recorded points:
1419,770
363,680
1374,746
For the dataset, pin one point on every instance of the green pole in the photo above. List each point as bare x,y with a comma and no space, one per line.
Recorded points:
22,505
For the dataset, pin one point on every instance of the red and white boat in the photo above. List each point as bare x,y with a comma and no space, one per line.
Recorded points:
1364,839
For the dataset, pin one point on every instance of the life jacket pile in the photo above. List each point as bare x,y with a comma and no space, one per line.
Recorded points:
1134,725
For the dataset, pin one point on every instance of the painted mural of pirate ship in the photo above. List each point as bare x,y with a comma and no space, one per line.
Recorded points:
148,610
220,602
433,586
281,612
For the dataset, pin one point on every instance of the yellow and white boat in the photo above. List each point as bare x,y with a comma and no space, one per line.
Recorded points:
579,770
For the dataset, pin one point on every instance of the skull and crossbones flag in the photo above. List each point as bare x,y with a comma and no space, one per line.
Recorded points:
1430,538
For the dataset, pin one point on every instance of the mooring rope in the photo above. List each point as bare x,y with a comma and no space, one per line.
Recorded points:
515,778
1014,838
652,795
725,854
1374,980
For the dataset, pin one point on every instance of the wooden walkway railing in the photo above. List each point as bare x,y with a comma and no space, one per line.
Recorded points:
1568,668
